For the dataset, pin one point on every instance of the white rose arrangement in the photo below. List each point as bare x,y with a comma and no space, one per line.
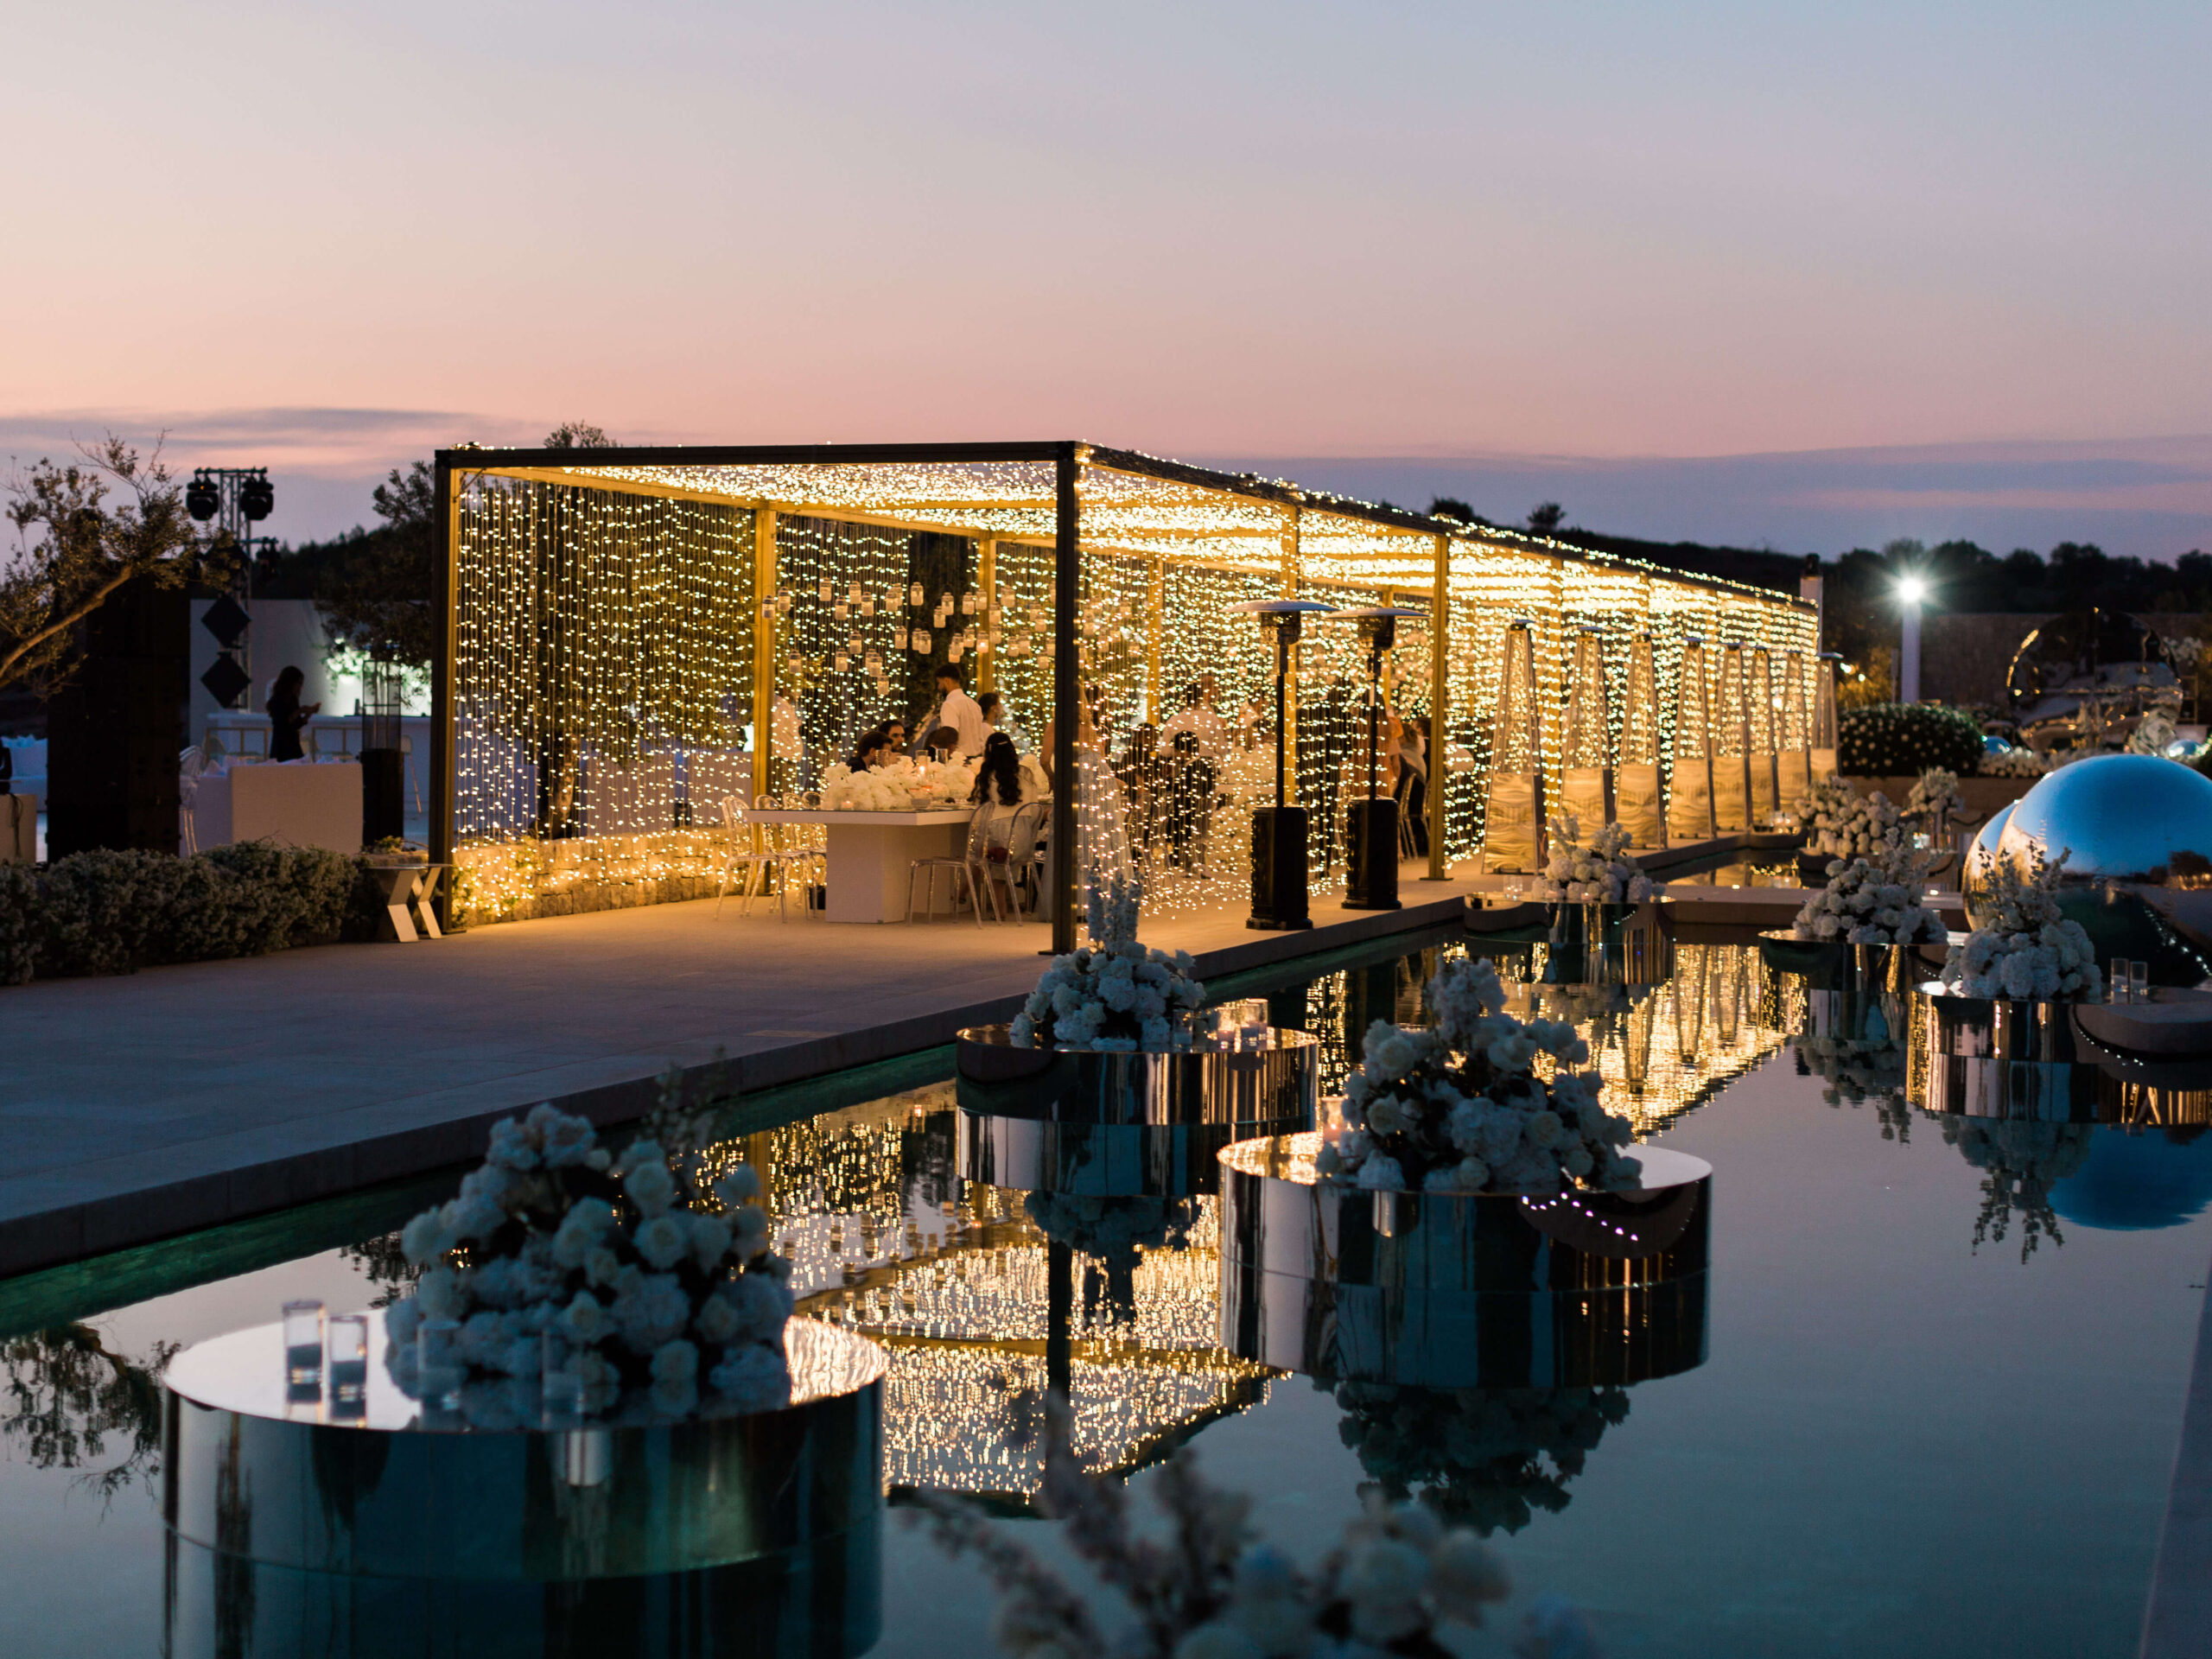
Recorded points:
2153,734
1459,1109
1935,795
1113,995
1202,1585
1847,825
1600,873
898,785
2019,761
2030,950
1873,900
879,791
655,1298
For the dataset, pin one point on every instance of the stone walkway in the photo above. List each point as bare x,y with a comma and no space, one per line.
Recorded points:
185,1096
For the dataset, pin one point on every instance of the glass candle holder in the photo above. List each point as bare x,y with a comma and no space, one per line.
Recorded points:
2138,982
303,1344
349,1359
439,1372
2116,984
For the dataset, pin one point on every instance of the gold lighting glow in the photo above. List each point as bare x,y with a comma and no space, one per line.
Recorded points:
631,635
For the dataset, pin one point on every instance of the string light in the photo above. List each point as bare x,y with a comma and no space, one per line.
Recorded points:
606,619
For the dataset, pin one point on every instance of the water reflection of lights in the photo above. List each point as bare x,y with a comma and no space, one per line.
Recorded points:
956,1282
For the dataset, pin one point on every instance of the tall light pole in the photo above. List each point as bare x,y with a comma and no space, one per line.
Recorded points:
1910,591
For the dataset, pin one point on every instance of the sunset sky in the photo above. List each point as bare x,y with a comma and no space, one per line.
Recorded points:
1811,277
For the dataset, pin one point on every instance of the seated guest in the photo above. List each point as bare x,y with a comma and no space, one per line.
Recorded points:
998,780
873,750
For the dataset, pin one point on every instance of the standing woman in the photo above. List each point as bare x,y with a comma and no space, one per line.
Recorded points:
286,716
1412,786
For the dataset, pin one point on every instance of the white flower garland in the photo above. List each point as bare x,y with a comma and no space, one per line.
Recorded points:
2030,950
557,1235
1599,874
1872,901
1112,995
1459,1108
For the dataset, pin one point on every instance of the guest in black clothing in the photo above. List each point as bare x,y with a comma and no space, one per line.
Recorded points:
287,717
872,751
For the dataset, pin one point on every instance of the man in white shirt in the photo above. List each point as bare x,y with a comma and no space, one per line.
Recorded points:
1197,717
958,710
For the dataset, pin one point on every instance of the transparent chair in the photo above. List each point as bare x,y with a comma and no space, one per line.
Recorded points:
784,855
963,869
739,854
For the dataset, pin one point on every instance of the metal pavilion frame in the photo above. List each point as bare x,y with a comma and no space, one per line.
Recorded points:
1400,553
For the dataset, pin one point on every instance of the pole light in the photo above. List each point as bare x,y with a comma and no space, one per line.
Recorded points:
1910,591
1371,825
1279,831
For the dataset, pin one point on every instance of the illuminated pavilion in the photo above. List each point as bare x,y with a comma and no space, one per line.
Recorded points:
633,633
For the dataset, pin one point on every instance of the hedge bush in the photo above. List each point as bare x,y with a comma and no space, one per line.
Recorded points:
109,912
1902,739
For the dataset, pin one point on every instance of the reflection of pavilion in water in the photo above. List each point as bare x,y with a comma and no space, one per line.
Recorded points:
978,1307
1663,1050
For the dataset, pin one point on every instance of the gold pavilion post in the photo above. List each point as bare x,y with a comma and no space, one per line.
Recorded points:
764,644
1440,705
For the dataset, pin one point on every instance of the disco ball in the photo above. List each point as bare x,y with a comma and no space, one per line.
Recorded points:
2126,823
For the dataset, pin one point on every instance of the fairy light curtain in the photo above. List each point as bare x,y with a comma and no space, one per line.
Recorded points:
1794,761
1586,779
1513,825
1639,801
603,689
1731,746
1689,807
1760,748
1823,744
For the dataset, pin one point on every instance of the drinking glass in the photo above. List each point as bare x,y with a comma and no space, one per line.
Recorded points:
349,1360
303,1344
2138,982
2119,982
438,1369
561,1385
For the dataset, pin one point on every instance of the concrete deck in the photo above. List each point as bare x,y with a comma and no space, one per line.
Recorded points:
136,1109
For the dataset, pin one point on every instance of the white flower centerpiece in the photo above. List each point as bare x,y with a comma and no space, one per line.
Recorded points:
1599,872
1934,796
1459,1108
1847,825
2017,762
2028,951
1872,900
1113,995
655,1300
900,785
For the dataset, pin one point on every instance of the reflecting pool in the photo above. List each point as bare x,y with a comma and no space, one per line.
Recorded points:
1943,1364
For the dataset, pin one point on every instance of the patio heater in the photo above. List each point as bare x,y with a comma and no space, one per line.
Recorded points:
1279,831
1371,825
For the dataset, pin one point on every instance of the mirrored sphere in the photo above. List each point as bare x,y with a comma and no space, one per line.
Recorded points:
2136,818
1982,857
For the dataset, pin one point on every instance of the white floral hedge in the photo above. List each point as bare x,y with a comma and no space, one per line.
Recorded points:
554,1233
1459,1107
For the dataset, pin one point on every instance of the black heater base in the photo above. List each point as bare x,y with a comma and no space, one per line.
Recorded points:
1279,869
383,796
1371,850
